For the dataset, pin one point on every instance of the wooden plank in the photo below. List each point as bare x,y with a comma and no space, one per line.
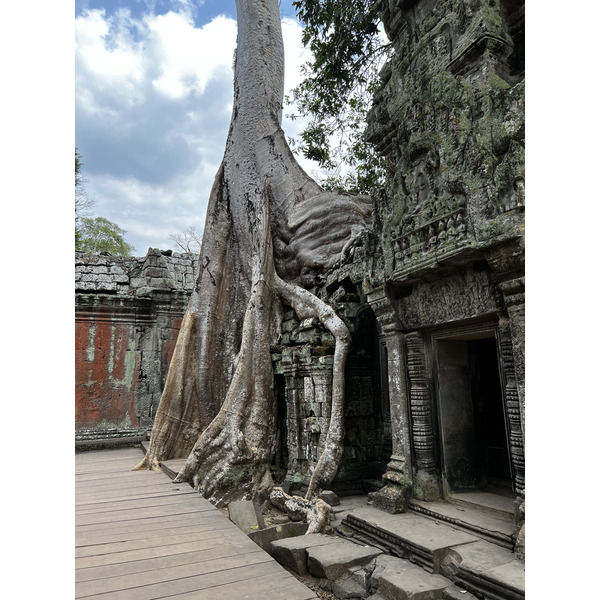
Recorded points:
155,551
106,459
102,493
136,478
116,536
265,587
151,524
200,585
93,499
218,530
143,502
213,550
132,514
140,537
173,574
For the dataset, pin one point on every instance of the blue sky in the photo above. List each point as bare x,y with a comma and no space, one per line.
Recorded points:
153,92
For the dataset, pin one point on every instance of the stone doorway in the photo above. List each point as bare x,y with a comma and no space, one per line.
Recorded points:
474,445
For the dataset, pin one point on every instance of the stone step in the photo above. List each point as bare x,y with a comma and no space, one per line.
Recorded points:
398,579
332,561
293,552
494,526
487,570
351,570
473,564
408,535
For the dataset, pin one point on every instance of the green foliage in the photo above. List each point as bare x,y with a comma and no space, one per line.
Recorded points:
95,235
101,235
337,90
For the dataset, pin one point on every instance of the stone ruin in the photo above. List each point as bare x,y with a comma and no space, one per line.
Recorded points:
433,295
127,317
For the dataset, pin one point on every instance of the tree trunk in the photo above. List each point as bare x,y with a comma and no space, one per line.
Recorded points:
270,229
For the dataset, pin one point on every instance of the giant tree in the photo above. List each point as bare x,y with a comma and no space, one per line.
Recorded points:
270,230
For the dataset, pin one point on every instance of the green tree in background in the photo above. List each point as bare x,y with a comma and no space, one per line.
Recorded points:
101,235
337,90
95,235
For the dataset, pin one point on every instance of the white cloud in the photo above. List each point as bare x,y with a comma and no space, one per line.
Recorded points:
189,57
153,105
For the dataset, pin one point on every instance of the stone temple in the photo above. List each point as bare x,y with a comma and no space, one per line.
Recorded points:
433,294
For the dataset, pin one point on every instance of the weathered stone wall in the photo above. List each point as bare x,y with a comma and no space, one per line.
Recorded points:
446,257
127,317
304,358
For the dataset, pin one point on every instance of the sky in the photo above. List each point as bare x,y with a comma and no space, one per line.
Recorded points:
153,98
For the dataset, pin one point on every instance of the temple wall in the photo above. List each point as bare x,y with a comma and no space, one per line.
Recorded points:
446,260
127,317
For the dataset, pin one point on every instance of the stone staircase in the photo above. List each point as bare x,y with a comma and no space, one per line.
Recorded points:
435,551
415,555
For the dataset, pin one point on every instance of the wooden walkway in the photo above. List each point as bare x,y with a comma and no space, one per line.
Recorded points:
139,536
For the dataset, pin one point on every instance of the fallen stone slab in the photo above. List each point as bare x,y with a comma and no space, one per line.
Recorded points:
333,560
487,569
246,515
292,552
264,537
354,583
398,579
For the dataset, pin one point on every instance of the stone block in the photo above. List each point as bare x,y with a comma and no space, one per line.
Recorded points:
487,567
107,287
392,499
330,497
325,360
332,561
398,579
264,537
246,515
354,583
292,552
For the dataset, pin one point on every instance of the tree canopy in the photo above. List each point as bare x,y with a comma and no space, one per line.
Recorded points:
98,234
338,87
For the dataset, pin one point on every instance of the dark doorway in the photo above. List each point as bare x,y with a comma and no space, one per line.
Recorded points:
488,413
472,420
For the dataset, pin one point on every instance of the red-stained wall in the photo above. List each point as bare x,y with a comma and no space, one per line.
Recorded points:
106,364
123,348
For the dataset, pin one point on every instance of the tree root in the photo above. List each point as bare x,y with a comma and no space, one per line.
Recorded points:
317,513
307,305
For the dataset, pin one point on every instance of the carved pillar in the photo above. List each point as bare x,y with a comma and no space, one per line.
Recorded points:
513,412
508,263
426,483
394,497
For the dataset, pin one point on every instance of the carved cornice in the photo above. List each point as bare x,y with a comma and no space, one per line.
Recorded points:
384,311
